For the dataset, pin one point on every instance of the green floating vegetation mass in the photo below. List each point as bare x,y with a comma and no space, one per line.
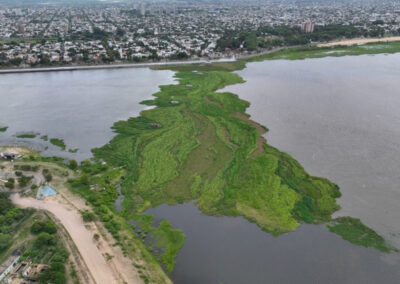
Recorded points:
26,136
354,231
58,142
3,128
44,137
205,148
162,238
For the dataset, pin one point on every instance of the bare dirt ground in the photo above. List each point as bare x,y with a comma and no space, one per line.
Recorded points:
16,149
106,264
359,41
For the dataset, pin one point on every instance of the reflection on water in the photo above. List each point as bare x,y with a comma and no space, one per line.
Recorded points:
232,250
78,106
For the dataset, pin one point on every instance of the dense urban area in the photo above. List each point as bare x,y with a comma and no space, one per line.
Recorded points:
46,34
103,33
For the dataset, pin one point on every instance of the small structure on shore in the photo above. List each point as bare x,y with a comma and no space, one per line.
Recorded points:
9,156
7,266
26,272
45,192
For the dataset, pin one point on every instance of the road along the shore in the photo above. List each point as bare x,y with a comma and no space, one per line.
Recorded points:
101,270
112,66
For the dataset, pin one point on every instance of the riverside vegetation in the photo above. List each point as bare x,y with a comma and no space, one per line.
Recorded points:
199,144
35,236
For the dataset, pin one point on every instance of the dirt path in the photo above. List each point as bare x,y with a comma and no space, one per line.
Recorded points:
101,270
360,41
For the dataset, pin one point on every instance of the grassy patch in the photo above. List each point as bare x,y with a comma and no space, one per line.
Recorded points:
44,137
337,51
202,150
354,231
26,136
172,240
163,240
58,142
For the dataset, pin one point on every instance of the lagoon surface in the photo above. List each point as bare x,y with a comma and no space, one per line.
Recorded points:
233,251
338,116
77,106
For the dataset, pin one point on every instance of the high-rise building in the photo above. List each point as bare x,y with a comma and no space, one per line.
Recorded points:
21,28
143,9
307,27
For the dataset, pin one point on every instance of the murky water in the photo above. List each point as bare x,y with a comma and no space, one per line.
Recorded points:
340,118
78,106
234,251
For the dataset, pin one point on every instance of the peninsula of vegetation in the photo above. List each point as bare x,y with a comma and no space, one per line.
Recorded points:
199,144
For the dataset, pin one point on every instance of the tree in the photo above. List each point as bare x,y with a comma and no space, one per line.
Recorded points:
10,183
47,175
120,32
5,242
73,165
45,239
251,41
44,226
88,216
5,203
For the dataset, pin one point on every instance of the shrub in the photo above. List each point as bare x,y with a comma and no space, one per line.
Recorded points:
47,175
48,227
45,239
88,216
73,165
24,180
5,242
10,183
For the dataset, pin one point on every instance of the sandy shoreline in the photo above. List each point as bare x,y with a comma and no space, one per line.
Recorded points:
359,41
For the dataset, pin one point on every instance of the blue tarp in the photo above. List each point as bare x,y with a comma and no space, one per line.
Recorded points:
46,191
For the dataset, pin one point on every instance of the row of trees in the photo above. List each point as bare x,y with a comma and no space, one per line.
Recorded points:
268,37
9,217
